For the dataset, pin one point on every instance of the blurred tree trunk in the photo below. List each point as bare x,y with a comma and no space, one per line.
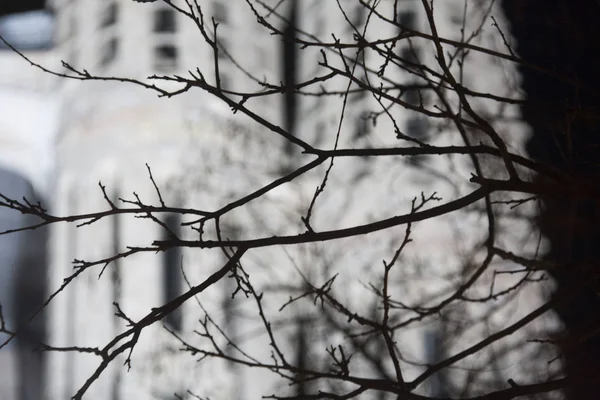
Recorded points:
562,36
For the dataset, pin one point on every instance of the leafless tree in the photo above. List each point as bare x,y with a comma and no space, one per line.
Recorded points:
358,284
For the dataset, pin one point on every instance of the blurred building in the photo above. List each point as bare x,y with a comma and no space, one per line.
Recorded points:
203,156
29,104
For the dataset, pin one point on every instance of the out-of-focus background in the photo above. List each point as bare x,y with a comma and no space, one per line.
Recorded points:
58,138
27,127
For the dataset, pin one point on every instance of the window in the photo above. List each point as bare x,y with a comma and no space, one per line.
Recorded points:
109,52
456,16
357,19
359,96
165,57
220,12
417,128
407,19
109,17
171,279
410,55
165,20
362,125
417,161
412,96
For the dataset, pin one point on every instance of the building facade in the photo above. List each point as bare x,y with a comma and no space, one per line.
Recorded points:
201,155
27,126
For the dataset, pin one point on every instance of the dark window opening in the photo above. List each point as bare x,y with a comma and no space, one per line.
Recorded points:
417,128
407,19
358,19
457,16
171,279
230,232
165,20
362,125
109,53
289,66
220,12
410,55
417,161
361,94
456,19
358,96
412,96
109,17
165,57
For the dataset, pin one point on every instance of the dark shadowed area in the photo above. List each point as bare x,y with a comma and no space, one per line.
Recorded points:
22,291
564,112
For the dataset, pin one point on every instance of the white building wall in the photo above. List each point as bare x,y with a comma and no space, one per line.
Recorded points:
110,130
111,140
28,122
435,261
